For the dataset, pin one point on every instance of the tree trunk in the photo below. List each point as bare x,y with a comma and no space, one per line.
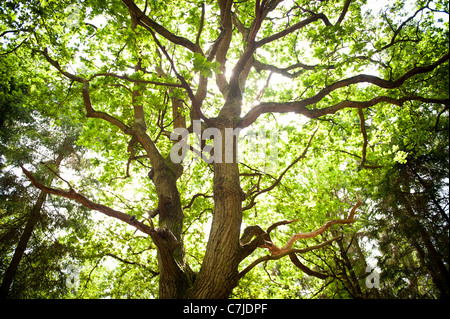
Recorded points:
21,246
219,272
173,280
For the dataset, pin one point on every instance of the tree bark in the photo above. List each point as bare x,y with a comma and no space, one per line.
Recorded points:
171,256
219,272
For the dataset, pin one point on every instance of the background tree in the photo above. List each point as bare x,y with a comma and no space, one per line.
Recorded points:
32,258
413,221
330,77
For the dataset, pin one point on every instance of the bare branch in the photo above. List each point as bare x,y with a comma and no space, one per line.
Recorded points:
193,199
305,269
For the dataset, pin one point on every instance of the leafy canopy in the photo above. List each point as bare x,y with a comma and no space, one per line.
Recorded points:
353,92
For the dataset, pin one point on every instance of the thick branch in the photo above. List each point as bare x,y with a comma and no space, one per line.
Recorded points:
60,69
222,44
163,238
263,239
90,112
72,194
285,71
86,96
200,28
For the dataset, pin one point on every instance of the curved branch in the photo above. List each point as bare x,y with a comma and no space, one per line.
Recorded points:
200,28
301,106
221,46
305,269
57,66
397,32
15,48
365,104
285,71
90,112
193,199
275,250
365,141
263,239
196,104
128,262
292,251
163,238
343,12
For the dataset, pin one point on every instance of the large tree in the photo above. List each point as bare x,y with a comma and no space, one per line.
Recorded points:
140,70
